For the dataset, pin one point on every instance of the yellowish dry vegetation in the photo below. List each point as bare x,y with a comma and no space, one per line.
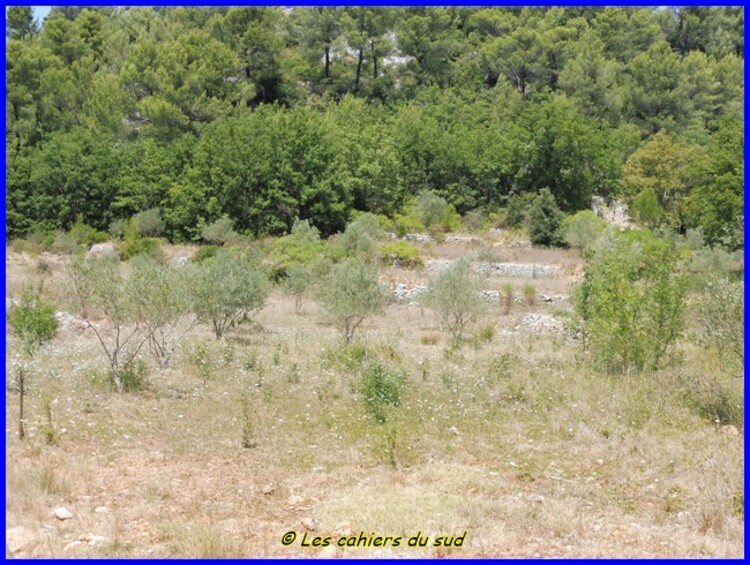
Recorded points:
513,439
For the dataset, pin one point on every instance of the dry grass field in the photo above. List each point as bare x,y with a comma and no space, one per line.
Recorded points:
513,439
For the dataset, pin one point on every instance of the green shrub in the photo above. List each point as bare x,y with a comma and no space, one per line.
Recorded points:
149,223
85,235
517,209
358,240
433,211
405,224
646,209
529,294
220,232
32,320
582,229
226,289
134,376
352,293
399,251
631,303
454,294
204,252
381,387
545,220
147,246
506,297
473,220
301,247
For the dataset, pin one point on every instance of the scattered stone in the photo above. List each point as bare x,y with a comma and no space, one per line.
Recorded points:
310,524
541,323
535,498
490,295
102,249
93,539
438,265
62,513
418,237
328,552
401,292
180,261
453,430
68,321
530,270
268,489
464,239
101,510
17,539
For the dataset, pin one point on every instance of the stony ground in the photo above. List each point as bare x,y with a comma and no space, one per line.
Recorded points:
513,439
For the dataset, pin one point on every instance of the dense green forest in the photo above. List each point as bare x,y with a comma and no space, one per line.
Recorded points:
267,115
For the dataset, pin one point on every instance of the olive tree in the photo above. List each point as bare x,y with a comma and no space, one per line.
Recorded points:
100,290
352,293
454,294
161,297
226,289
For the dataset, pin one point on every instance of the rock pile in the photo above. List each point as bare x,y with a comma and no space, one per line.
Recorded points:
541,324
464,239
517,270
102,249
418,237
401,292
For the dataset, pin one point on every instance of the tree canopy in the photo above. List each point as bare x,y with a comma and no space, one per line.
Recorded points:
272,115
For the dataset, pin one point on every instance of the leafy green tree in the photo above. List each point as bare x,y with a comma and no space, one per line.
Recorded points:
545,220
582,229
454,294
162,304
101,291
632,303
226,289
19,22
350,295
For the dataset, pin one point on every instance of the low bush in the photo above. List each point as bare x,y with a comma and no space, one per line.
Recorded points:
402,254
204,252
381,387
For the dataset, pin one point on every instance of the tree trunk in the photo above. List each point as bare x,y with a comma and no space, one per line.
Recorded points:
21,432
359,70
374,61
328,61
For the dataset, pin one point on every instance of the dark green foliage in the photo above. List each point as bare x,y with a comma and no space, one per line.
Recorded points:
32,320
262,115
631,302
545,220
381,387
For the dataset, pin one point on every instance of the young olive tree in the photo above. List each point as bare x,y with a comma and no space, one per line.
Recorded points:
226,289
631,303
162,303
351,294
99,290
454,294
33,321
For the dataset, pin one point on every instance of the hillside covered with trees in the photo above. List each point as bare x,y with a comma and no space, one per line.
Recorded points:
268,115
